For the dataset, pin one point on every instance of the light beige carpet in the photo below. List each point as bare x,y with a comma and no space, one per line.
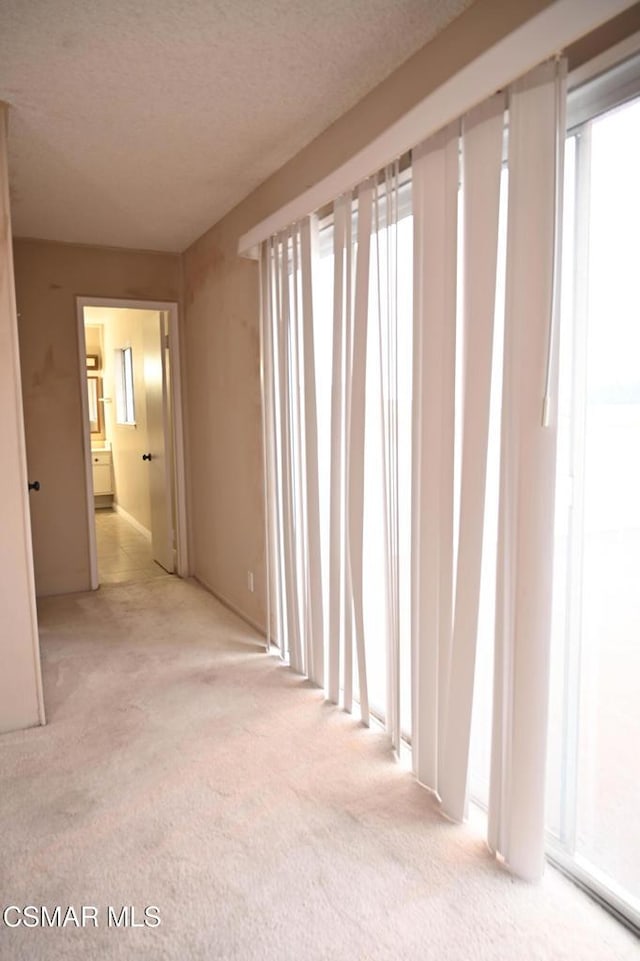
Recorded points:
184,769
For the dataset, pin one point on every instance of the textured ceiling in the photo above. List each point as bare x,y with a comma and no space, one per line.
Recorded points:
141,124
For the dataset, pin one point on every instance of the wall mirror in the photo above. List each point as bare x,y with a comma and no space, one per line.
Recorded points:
94,394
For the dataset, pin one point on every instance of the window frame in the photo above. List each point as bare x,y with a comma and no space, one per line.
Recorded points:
599,94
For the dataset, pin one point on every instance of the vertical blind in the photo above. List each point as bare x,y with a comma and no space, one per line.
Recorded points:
376,533
527,469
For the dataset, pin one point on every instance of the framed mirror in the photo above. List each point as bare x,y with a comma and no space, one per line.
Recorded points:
95,413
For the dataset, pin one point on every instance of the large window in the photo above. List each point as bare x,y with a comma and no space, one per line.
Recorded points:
594,720
375,598
394,253
125,399
376,466
594,785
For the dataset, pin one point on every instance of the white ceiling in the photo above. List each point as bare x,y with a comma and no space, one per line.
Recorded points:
141,124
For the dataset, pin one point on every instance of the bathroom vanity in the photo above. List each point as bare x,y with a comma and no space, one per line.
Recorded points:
102,469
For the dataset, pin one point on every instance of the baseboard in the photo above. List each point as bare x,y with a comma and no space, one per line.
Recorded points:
131,520
232,607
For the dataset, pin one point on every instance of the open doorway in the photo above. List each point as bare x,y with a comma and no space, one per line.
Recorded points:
133,439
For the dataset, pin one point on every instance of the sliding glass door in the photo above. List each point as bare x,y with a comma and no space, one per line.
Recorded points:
594,783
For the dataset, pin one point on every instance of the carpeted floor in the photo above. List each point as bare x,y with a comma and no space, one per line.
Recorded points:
183,768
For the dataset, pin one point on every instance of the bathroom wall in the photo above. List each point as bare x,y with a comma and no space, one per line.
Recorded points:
126,328
93,340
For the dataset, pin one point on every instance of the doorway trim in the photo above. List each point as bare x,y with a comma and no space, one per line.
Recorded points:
177,424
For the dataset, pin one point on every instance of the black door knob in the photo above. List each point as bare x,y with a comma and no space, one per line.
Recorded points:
35,486
146,456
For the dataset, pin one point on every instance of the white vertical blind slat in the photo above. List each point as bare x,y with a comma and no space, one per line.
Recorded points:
347,367
355,449
315,661
392,202
482,133
298,452
386,238
336,468
382,305
435,204
287,428
275,307
267,436
525,541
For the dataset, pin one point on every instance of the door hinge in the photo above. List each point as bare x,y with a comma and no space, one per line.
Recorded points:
166,341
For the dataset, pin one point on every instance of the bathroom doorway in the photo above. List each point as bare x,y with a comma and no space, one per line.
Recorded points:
133,439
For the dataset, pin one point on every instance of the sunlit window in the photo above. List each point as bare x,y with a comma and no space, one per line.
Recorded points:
595,716
375,612
125,401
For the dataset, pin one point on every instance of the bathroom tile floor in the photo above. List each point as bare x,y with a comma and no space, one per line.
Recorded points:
124,554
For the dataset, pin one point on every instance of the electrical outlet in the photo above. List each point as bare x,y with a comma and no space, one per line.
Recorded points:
250,580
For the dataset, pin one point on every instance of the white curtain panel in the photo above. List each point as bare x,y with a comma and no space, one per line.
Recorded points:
273,486
349,373
339,583
529,421
291,476
314,640
356,392
452,256
287,382
386,307
435,215
445,607
482,135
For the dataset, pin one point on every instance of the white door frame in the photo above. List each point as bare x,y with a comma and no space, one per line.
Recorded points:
182,559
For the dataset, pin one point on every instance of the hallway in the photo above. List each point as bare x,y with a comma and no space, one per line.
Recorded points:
183,768
124,554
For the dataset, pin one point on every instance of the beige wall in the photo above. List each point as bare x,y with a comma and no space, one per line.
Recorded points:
221,303
49,277
223,400
93,341
20,686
